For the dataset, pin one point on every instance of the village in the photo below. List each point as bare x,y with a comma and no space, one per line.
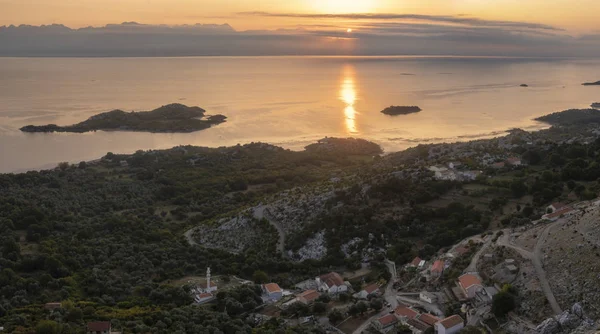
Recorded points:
443,294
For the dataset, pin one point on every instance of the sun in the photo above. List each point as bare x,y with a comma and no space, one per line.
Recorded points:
349,30
342,6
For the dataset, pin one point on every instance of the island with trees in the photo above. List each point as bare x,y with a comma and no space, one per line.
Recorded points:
170,118
597,83
571,116
400,110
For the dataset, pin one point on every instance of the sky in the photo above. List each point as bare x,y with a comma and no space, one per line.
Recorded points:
576,16
537,28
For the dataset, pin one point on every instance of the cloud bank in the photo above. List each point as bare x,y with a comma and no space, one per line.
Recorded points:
324,34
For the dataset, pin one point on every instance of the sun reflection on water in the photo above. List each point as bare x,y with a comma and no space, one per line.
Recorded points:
348,96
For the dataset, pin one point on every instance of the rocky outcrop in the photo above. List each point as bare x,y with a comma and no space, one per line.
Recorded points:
570,321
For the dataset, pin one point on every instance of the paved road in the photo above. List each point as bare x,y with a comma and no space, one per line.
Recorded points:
535,258
262,212
473,265
389,295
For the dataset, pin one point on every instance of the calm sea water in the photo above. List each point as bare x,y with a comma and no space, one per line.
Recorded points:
288,101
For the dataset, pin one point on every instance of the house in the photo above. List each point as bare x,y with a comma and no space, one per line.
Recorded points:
486,295
498,165
513,161
331,283
470,284
385,322
405,313
437,268
557,214
508,262
429,319
488,256
204,297
427,297
452,324
366,291
417,326
124,163
555,207
512,268
98,327
308,297
415,262
421,265
272,291
52,306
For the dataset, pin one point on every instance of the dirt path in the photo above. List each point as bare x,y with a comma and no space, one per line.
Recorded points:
262,212
535,258
189,236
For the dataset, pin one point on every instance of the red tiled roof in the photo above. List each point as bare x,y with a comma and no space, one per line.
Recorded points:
332,279
420,325
438,266
403,311
428,319
204,295
558,205
371,288
98,326
387,320
272,287
309,295
415,262
513,160
452,321
559,213
468,280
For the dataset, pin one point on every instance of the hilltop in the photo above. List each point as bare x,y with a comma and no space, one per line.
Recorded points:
170,118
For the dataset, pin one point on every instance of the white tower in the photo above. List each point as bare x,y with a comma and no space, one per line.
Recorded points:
208,279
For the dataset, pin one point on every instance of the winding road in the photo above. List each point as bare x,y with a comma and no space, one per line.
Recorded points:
262,212
535,258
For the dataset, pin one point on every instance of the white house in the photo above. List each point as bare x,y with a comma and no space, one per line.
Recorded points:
428,297
452,324
470,285
331,283
202,298
272,291
366,291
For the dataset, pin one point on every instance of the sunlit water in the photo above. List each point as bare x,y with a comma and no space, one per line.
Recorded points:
288,101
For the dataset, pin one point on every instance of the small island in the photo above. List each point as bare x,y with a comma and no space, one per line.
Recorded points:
596,105
400,110
524,85
597,83
571,117
170,118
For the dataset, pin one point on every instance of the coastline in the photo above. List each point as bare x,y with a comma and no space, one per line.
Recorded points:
298,144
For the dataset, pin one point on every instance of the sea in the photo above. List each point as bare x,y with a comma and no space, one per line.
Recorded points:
286,101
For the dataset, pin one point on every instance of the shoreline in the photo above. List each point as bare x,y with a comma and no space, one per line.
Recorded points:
299,143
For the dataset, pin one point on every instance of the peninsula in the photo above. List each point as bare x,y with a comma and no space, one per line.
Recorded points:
597,83
400,110
170,118
572,116
596,105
